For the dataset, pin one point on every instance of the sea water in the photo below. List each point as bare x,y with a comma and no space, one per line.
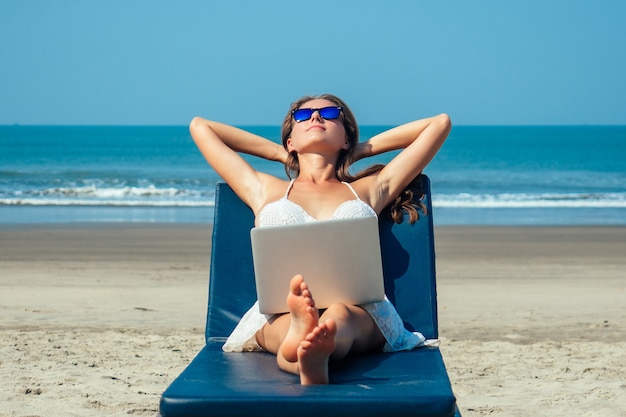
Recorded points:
504,175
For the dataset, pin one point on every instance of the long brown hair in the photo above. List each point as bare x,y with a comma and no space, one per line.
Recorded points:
408,201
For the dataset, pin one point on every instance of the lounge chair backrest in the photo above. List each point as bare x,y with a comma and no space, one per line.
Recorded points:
408,266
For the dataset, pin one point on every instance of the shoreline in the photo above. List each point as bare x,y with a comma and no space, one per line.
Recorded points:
43,215
100,318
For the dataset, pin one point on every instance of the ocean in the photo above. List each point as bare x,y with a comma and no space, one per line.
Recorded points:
484,175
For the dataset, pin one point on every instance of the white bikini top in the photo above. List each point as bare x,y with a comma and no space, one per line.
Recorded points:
285,211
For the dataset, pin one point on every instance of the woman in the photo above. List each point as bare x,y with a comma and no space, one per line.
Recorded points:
320,140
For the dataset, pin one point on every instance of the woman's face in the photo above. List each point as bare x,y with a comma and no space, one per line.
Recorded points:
318,134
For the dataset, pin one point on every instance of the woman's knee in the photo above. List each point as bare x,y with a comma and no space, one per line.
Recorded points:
338,312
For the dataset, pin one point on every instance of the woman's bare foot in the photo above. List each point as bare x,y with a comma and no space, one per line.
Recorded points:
304,318
314,352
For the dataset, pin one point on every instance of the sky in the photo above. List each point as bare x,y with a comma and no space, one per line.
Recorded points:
154,62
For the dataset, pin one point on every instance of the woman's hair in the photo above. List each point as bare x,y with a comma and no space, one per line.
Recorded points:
409,200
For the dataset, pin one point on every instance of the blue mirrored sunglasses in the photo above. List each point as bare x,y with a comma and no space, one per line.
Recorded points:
327,113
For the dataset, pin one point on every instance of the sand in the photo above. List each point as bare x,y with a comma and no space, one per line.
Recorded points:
99,319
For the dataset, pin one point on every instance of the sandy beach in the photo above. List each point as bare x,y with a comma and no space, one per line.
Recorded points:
99,319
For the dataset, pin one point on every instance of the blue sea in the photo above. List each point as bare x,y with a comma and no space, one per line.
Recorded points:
507,175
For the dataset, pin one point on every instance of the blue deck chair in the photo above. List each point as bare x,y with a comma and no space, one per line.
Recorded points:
413,383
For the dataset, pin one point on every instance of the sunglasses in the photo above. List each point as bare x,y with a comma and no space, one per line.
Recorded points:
327,113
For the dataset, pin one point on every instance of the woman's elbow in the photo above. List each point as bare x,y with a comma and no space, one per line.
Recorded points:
198,126
444,120
443,124
196,122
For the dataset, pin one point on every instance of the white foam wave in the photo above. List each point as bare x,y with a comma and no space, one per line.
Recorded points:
93,195
524,200
113,203
174,197
93,191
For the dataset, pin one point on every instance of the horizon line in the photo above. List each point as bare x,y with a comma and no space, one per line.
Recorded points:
278,125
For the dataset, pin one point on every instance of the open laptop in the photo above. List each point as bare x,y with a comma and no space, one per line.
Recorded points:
339,259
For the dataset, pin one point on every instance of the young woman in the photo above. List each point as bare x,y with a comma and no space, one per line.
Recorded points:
319,142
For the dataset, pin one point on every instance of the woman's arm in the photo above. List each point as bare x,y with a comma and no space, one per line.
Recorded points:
420,141
219,144
393,139
240,140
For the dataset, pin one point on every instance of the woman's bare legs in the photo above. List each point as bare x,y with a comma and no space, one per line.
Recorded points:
342,329
303,341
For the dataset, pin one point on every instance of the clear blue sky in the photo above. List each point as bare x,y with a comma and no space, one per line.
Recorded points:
161,62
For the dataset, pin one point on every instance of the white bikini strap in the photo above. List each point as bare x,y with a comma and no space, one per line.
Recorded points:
351,189
289,188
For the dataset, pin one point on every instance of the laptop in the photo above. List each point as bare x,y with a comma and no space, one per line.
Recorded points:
339,259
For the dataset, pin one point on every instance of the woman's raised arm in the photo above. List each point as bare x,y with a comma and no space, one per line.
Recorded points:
220,143
420,141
